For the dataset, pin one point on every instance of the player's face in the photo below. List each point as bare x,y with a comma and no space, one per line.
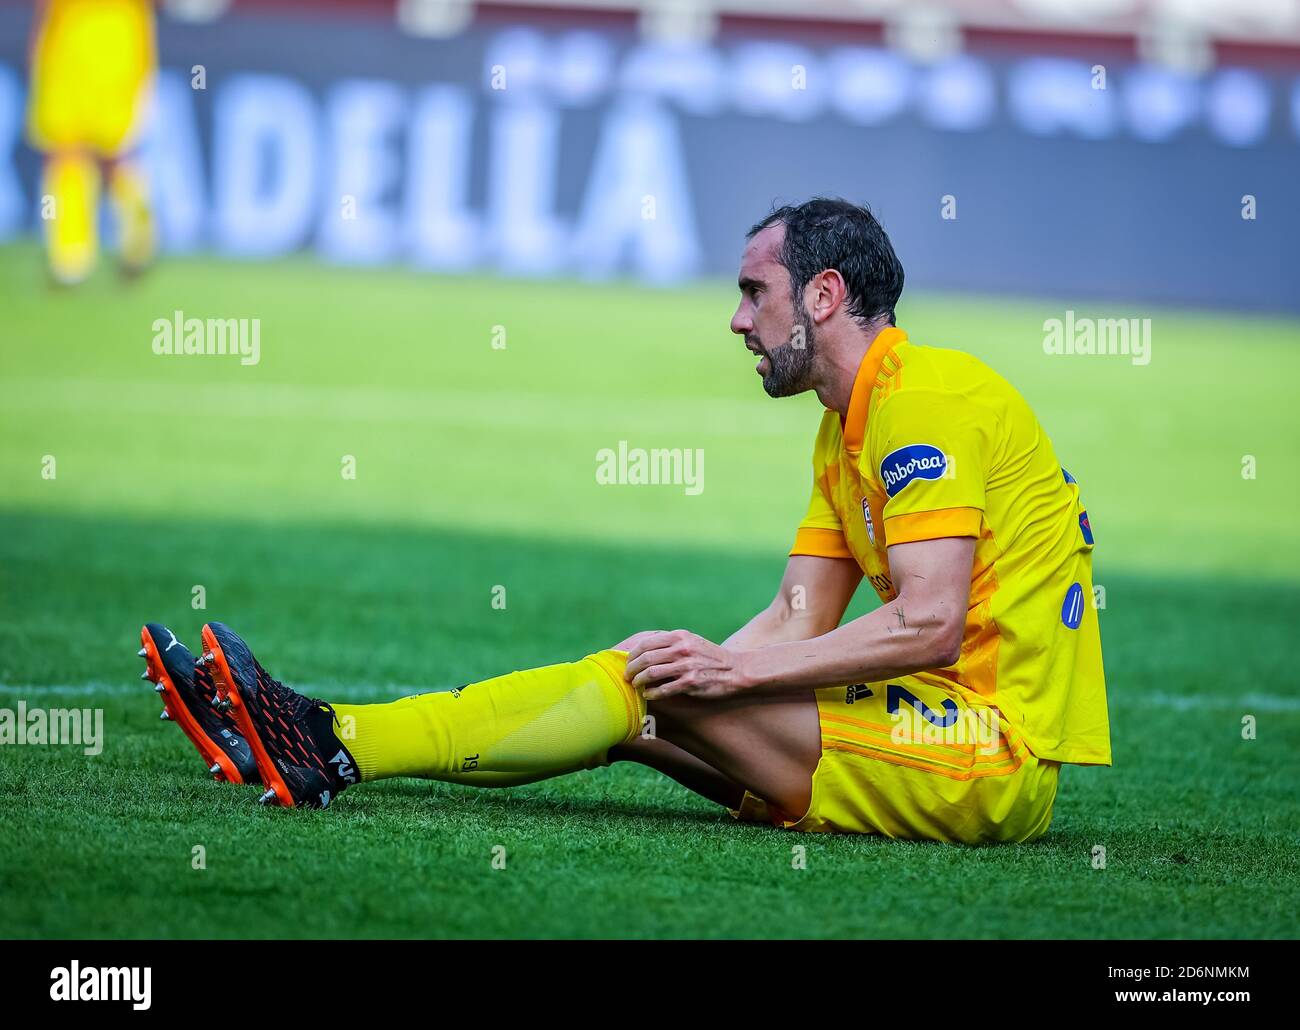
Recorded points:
767,318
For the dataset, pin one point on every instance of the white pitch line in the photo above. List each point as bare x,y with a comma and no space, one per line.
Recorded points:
1247,703
1191,702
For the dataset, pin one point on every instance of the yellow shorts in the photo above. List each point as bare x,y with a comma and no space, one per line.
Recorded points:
92,74
904,758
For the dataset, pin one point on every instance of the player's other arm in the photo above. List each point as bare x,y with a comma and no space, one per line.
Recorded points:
811,600
920,629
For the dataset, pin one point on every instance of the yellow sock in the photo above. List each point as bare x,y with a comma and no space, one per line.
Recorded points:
500,732
72,180
130,197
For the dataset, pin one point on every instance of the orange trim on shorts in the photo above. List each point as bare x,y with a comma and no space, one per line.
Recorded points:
939,770
1014,742
888,732
926,752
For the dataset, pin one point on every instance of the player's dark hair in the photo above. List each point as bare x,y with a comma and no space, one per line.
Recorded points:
827,232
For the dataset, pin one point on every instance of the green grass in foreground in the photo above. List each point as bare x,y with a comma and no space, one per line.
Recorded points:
1199,825
475,468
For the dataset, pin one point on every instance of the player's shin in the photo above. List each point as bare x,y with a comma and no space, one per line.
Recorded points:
71,186
505,731
128,190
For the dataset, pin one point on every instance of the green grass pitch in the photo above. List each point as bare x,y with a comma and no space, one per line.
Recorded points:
476,469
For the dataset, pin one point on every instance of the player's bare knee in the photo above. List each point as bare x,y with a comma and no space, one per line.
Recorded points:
672,713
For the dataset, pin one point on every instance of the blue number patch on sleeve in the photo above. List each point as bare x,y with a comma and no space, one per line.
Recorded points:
1072,606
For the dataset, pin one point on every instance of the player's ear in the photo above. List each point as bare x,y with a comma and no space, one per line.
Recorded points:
828,294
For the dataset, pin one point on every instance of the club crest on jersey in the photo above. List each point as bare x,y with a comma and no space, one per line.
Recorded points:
866,517
915,461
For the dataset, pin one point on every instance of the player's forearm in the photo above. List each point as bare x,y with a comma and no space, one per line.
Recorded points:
778,623
894,640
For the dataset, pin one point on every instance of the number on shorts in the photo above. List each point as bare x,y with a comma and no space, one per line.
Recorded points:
896,694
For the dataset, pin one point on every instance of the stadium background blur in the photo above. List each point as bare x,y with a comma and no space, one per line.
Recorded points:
484,242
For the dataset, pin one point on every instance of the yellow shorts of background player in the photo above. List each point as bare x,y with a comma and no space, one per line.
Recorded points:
93,67
906,759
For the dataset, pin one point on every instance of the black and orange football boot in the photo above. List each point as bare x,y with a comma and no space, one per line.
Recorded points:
189,697
301,760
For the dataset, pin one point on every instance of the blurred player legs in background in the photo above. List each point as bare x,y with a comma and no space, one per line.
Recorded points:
93,65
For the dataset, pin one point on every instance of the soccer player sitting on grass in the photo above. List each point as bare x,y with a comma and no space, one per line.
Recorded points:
944,714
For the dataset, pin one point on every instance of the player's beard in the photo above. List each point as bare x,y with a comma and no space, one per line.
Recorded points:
791,370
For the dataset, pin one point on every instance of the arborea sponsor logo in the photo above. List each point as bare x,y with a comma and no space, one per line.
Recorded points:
80,726
660,466
102,983
234,336
916,461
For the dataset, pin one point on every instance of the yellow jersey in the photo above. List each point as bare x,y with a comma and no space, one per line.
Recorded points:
936,444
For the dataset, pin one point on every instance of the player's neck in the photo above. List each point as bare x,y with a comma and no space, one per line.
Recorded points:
842,357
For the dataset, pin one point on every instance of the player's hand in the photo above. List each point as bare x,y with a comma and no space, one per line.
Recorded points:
665,663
